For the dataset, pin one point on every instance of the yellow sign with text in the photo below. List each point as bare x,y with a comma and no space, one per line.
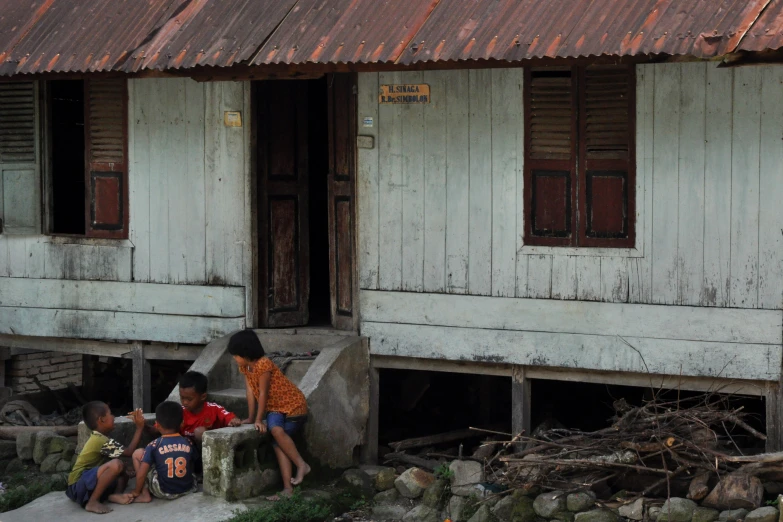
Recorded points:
404,94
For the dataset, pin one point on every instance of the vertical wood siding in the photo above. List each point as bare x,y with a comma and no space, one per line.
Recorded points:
440,195
189,182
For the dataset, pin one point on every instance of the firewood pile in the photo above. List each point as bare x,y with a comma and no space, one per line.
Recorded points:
697,440
661,448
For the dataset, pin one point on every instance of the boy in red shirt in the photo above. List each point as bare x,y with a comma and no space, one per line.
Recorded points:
198,415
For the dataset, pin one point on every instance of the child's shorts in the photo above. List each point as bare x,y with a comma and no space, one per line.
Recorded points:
153,484
290,425
82,490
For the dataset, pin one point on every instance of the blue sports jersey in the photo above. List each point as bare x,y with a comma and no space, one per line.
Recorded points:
171,456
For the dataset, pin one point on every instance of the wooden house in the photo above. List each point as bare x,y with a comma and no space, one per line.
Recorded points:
566,190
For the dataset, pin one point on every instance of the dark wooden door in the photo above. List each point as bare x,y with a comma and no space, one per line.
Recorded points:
342,175
284,254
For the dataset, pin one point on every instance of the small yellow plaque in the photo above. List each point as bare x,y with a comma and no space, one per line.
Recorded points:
232,118
410,93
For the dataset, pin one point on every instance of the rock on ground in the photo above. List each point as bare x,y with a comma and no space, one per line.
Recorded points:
634,510
703,514
386,497
763,514
581,501
421,513
736,492
677,510
358,479
49,464
384,479
25,443
382,512
64,465
482,515
7,449
465,475
455,508
596,515
41,447
435,495
732,515
413,482
58,444
547,504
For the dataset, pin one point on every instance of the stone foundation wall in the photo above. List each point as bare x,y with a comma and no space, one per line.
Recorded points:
54,369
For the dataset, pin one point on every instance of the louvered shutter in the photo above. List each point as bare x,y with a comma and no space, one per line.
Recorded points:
107,163
550,156
20,181
606,173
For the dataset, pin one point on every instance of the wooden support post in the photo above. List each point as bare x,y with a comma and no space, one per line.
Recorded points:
520,403
774,401
370,450
141,379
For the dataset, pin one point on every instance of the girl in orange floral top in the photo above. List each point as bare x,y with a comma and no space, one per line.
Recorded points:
274,404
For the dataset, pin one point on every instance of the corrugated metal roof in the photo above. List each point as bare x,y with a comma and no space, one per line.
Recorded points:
38,36
345,31
211,33
514,30
767,32
84,35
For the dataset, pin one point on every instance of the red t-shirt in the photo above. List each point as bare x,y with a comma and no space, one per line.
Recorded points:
212,416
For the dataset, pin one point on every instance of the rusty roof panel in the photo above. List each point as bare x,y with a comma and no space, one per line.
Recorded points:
767,32
514,30
84,35
211,33
345,31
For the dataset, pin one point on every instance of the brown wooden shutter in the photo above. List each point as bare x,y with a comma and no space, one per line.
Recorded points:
20,181
606,152
550,156
17,122
107,157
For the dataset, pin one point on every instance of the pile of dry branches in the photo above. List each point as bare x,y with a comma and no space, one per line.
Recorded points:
661,441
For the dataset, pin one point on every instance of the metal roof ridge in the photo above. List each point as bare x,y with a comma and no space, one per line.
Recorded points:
250,61
415,33
750,26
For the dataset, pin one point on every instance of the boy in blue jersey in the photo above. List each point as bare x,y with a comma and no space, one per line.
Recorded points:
164,469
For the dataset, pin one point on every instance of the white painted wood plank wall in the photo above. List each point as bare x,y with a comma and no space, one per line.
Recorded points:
709,178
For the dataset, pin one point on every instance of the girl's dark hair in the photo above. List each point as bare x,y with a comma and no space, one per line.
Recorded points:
246,345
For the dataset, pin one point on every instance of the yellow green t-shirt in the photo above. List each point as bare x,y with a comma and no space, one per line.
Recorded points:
97,450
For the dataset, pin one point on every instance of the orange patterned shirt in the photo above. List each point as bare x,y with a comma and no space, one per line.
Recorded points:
283,396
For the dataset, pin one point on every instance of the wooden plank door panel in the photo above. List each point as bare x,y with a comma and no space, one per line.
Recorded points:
283,203
342,175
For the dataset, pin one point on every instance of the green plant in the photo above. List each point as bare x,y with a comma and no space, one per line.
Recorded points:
19,493
773,502
444,472
292,509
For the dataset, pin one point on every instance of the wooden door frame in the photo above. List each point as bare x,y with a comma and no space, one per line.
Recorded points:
254,315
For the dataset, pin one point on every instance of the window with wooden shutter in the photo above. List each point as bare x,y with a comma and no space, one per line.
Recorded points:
19,166
106,153
579,156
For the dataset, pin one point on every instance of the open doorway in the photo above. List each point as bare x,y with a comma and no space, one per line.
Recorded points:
305,169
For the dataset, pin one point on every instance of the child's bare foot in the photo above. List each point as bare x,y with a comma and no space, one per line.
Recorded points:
97,507
144,497
287,492
121,498
301,471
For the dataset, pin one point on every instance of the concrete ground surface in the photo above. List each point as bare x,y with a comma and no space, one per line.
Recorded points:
56,507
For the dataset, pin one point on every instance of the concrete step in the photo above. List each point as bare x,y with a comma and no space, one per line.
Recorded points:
232,399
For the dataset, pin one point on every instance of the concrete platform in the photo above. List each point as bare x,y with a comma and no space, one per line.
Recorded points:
196,508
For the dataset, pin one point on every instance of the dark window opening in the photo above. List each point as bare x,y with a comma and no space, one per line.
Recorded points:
423,403
66,102
318,148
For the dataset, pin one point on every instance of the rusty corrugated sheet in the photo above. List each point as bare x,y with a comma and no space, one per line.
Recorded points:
345,31
767,32
513,30
211,33
39,36
84,35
